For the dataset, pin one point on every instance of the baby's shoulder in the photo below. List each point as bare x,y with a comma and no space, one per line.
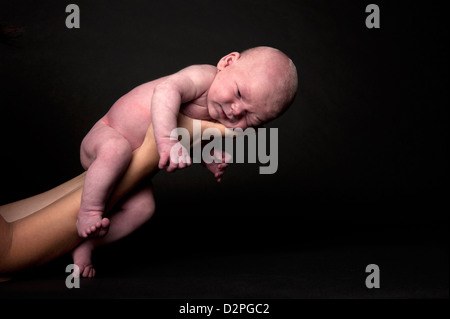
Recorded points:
207,68
201,70
198,76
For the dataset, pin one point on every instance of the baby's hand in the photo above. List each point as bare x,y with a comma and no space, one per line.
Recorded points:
172,155
218,169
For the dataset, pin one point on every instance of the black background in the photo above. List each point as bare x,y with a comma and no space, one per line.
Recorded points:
363,152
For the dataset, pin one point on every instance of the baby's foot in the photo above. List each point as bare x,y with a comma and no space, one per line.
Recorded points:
82,257
91,224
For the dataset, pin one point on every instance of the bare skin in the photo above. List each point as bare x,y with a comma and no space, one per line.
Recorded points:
105,154
106,151
237,93
38,229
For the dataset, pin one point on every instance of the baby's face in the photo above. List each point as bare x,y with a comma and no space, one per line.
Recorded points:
240,96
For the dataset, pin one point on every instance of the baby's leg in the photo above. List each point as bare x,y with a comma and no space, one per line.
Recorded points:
105,153
137,209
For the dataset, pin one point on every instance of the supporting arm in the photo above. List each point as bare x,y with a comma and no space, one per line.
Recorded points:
48,232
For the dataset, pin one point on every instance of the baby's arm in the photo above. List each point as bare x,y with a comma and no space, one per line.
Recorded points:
182,87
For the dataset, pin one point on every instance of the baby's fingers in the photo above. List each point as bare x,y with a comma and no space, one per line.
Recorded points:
172,167
179,162
218,176
163,161
222,166
184,161
226,157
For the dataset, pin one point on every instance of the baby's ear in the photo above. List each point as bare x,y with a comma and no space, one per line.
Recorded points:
228,60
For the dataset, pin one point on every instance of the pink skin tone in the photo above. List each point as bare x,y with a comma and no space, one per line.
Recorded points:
228,93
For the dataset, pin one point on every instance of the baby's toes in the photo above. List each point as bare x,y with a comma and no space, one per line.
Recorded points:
91,231
105,223
103,229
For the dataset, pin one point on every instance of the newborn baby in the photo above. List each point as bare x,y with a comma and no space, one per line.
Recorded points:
246,89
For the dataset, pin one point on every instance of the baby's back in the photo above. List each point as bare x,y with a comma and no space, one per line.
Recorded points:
131,114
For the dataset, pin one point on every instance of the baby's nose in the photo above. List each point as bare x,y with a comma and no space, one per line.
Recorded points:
236,109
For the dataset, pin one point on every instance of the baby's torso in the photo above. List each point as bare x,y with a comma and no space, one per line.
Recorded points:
131,114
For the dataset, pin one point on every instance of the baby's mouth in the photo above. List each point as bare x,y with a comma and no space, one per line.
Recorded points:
224,114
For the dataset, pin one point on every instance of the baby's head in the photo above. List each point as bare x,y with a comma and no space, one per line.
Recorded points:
252,87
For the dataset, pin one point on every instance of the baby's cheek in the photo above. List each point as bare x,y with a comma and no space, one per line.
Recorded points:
212,112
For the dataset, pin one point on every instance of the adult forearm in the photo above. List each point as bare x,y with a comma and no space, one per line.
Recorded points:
145,158
51,231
